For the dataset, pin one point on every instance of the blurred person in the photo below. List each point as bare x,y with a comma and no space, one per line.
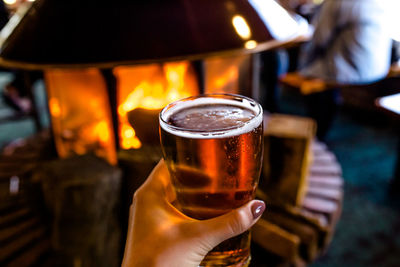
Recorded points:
294,5
305,8
160,235
17,93
276,62
350,46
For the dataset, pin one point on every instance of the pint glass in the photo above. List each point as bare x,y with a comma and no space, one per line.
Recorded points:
213,147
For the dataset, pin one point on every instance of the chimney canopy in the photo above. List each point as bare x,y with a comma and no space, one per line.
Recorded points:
84,33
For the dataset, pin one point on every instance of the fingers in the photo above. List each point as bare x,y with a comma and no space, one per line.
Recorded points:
233,223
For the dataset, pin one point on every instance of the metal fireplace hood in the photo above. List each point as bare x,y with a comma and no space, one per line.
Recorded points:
104,34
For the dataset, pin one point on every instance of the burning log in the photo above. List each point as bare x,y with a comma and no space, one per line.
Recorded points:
145,122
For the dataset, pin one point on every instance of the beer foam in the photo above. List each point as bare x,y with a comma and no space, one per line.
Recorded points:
238,118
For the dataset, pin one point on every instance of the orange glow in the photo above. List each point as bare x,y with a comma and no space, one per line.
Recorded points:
231,74
222,74
101,130
80,113
54,106
150,87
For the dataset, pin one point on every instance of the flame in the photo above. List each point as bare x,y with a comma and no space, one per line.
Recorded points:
222,74
150,87
54,106
101,130
231,74
81,124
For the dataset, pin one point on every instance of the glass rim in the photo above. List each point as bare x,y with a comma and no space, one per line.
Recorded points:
252,104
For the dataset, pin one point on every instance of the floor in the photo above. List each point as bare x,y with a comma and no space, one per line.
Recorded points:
368,233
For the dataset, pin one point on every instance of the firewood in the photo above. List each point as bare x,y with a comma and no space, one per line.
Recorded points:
308,235
314,219
326,181
330,208
287,141
273,238
317,221
324,158
332,169
320,205
317,190
318,147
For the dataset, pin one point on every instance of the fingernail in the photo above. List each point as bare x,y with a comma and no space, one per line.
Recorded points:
257,208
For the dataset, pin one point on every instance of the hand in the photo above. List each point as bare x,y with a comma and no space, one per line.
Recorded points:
160,235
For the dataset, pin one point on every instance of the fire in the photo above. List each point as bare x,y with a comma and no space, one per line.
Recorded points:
150,87
80,113
54,106
222,74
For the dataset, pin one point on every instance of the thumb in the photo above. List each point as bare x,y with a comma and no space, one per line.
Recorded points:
233,223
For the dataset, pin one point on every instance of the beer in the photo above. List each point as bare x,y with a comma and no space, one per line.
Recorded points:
212,145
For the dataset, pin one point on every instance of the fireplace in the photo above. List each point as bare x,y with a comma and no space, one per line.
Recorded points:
82,114
86,197
110,67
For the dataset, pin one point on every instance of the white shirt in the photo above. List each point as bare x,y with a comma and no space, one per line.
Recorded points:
351,42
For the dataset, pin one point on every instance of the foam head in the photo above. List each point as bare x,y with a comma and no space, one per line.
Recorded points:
211,116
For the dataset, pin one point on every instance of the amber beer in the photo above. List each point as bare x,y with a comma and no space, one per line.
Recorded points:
212,145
